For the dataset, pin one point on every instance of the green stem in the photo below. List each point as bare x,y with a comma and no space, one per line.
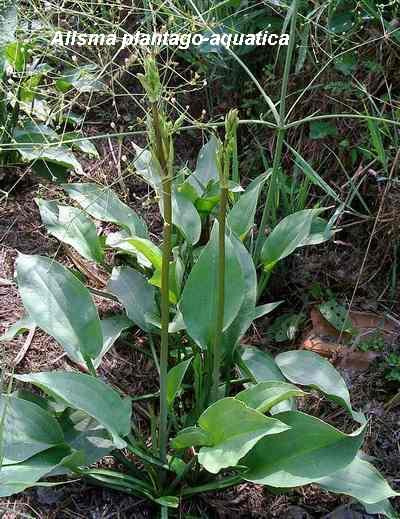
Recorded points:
146,457
216,354
150,396
90,366
216,485
166,254
181,476
263,283
273,189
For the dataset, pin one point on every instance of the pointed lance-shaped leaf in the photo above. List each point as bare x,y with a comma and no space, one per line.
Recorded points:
309,450
88,394
199,298
60,304
102,203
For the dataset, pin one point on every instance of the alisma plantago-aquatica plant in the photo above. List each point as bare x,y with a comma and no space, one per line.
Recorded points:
227,413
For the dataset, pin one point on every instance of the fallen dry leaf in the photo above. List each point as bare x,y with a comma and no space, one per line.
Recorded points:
321,326
325,340
318,345
354,359
339,354
364,322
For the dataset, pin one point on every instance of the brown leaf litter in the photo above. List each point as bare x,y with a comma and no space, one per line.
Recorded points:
326,340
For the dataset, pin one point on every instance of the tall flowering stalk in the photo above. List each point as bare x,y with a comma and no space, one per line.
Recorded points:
224,159
162,149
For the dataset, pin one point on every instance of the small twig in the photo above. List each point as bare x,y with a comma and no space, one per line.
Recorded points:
25,347
79,264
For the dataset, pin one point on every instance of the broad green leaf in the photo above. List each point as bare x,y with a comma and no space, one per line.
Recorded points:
188,191
75,141
29,88
83,79
50,171
286,326
177,324
262,310
360,480
148,168
174,282
265,395
72,118
261,367
199,298
71,225
185,217
206,167
102,203
42,401
233,429
16,54
191,436
118,240
337,316
174,380
135,294
170,501
340,23
320,232
310,369
206,204
148,249
245,315
60,304
37,109
347,63
21,326
111,328
322,129
241,217
84,433
59,155
289,234
89,394
310,449
17,478
382,507
27,429
8,24
209,198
